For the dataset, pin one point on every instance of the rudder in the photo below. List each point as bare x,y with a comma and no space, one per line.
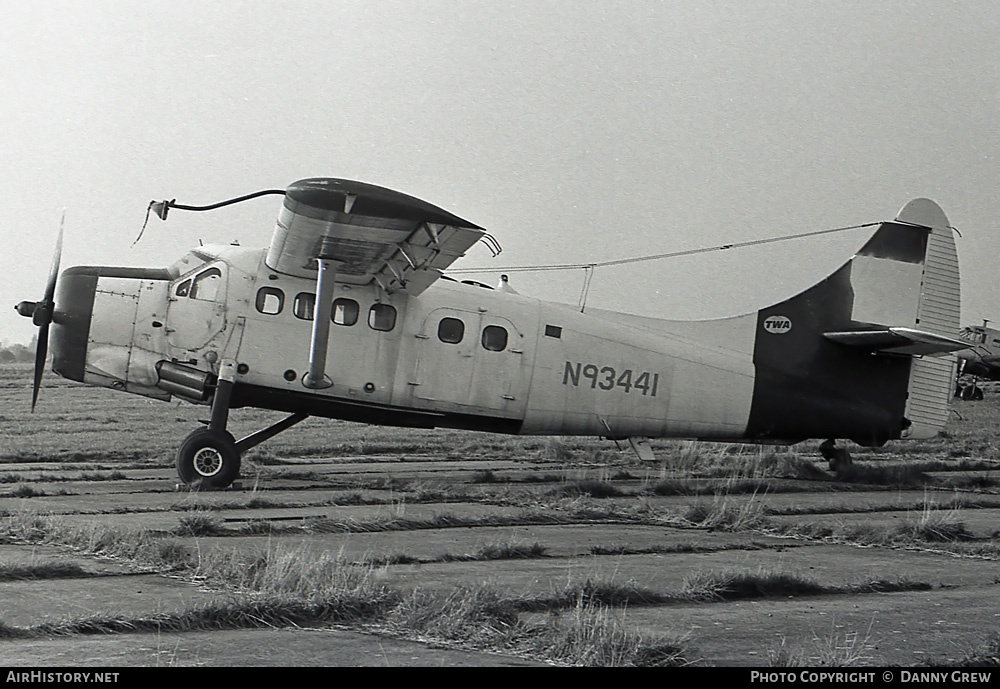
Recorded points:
931,378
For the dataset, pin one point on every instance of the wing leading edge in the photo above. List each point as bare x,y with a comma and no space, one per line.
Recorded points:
373,234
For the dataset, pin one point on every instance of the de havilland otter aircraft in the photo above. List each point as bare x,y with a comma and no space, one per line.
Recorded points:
348,315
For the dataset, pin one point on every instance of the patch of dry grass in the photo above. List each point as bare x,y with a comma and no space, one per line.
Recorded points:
49,570
594,636
729,513
738,585
839,648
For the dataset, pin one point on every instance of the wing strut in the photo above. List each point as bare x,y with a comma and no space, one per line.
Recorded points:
316,378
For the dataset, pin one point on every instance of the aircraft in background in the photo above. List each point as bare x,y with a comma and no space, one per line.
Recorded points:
348,314
982,360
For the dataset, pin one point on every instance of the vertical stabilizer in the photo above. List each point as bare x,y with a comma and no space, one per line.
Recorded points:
864,353
931,378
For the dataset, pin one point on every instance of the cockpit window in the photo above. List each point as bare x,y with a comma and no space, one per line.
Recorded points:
183,289
206,284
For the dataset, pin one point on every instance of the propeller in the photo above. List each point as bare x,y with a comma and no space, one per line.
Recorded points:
41,315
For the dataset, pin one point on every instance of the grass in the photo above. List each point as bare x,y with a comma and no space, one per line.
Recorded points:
51,570
689,547
25,490
739,585
938,525
728,513
485,476
478,617
282,586
986,655
594,592
933,523
892,475
594,636
199,524
139,546
589,487
775,583
238,613
53,478
509,550
840,648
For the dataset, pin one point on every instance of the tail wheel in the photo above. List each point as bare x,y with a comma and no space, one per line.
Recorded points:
209,457
972,392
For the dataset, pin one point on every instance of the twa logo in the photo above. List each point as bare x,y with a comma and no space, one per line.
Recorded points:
779,325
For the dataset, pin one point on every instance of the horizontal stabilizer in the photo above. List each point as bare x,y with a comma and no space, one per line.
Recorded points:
897,341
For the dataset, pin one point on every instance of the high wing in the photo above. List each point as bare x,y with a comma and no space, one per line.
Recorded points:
370,233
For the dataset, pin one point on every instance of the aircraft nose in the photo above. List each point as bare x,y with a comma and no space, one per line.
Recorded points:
74,305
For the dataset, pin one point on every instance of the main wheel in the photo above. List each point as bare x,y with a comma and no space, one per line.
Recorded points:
209,457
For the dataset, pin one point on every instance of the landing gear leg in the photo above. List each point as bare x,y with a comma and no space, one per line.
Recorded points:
209,456
838,457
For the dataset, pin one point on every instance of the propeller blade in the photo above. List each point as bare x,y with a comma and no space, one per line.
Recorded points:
50,286
41,351
42,315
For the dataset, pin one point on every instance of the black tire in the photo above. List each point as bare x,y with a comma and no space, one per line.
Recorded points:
977,393
209,458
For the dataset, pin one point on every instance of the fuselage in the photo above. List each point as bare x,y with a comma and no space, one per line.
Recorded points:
463,355
458,355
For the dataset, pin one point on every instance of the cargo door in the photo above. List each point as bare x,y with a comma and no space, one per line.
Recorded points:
474,360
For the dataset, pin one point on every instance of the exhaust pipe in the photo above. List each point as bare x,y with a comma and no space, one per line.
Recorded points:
184,381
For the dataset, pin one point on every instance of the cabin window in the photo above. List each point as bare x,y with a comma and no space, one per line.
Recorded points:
183,289
494,338
304,305
382,317
206,285
553,331
345,311
270,300
451,330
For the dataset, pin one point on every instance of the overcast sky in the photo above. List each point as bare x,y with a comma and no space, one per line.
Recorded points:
573,131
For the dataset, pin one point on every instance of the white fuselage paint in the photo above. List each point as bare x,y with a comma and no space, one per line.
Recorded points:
605,374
